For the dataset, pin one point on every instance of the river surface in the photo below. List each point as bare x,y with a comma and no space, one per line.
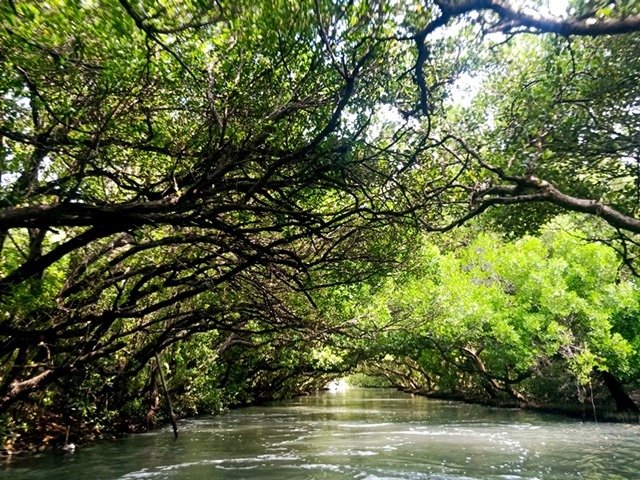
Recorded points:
357,434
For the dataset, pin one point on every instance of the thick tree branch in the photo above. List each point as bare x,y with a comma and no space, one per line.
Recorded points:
512,19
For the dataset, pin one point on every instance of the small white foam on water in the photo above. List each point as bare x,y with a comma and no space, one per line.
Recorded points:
140,474
375,477
408,475
235,467
272,457
348,453
320,466
162,469
363,425
165,468
524,426
145,473
361,453
424,433
289,442
388,448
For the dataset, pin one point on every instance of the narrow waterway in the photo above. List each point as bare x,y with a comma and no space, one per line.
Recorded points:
358,434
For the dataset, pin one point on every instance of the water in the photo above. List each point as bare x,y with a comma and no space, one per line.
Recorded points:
357,434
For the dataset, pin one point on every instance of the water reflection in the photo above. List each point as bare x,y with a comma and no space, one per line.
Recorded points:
358,434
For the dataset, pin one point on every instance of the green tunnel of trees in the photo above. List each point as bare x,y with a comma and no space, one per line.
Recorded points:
255,198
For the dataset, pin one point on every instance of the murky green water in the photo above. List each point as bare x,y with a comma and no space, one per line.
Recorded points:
359,434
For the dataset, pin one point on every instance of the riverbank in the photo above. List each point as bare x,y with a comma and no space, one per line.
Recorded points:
585,412
53,431
47,430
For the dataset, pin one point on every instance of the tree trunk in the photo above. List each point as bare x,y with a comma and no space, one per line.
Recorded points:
172,415
154,395
622,399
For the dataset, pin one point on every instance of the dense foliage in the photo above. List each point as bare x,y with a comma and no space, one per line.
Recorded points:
534,320
243,196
